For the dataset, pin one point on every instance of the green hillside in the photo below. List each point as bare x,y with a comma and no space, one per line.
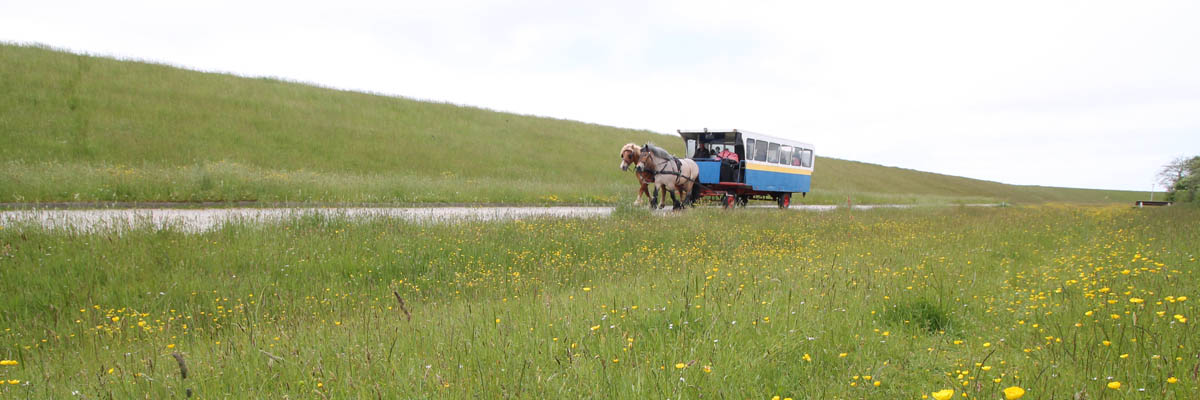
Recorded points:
91,129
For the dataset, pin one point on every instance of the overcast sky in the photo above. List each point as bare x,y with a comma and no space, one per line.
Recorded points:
1095,94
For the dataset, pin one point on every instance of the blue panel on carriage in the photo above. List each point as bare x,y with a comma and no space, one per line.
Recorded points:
770,181
710,171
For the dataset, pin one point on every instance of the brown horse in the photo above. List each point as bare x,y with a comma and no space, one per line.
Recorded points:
679,176
630,155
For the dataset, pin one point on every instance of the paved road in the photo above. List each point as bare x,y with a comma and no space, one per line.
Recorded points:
198,220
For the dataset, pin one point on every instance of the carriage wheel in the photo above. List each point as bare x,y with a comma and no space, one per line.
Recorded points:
729,201
784,200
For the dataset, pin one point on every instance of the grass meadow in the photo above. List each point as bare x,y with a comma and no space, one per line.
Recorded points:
1063,302
78,128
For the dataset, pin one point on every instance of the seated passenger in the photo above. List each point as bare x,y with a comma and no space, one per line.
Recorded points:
725,154
702,152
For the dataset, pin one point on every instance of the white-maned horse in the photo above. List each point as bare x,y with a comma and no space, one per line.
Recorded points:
679,176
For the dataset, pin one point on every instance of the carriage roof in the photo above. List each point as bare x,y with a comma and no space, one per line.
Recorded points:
721,134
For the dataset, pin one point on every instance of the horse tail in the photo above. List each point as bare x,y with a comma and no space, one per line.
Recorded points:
695,194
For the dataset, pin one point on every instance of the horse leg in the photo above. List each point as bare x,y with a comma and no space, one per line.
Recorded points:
653,198
674,202
642,190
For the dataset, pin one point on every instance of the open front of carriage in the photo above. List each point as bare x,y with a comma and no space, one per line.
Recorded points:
738,166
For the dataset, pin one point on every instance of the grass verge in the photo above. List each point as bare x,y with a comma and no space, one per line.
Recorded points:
843,304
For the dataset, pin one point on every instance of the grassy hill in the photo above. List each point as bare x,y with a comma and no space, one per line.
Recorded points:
82,128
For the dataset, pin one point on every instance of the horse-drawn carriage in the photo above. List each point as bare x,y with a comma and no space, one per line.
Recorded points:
737,166
730,165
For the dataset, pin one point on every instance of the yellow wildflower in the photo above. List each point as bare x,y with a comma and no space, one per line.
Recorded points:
1013,393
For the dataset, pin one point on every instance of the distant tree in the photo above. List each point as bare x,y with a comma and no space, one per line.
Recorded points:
1181,176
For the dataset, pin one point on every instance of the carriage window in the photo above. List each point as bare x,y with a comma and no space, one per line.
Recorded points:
807,159
785,155
760,151
749,149
797,156
691,148
773,153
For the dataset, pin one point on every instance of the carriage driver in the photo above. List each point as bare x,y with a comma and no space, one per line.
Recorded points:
703,152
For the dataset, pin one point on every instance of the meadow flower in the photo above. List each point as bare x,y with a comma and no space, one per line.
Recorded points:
1114,385
945,394
1013,393
680,365
1172,380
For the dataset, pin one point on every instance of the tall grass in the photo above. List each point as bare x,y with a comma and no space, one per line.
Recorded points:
83,128
753,304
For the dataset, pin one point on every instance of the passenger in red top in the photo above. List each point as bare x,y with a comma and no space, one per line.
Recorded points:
726,154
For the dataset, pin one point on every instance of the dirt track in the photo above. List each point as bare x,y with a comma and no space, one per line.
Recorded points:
198,220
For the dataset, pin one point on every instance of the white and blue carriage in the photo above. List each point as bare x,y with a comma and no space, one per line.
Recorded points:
767,167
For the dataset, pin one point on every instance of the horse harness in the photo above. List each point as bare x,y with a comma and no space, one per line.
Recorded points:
678,172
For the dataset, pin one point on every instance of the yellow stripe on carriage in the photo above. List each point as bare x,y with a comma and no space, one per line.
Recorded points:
778,168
